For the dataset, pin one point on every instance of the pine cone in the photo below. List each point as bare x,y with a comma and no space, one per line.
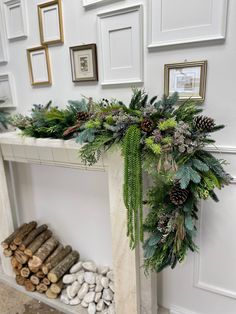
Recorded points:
147,125
82,116
178,196
203,123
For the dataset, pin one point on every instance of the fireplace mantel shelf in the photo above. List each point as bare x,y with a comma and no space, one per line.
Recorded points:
16,147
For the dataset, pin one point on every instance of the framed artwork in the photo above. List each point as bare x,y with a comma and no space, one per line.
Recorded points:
3,41
121,46
39,66
84,63
188,79
186,21
50,22
90,3
16,19
7,91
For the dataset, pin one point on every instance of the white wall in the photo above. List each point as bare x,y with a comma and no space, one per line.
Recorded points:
176,288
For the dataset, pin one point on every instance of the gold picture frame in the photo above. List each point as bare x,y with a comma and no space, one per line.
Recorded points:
46,37
187,78
84,65
42,63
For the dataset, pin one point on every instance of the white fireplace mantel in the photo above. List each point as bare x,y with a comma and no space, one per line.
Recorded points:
134,294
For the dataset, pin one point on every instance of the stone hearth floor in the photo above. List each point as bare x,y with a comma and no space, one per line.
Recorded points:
15,302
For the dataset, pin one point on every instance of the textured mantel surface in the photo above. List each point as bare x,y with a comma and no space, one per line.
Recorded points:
126,263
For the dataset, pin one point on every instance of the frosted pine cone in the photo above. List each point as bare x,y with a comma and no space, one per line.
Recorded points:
178,196
203,123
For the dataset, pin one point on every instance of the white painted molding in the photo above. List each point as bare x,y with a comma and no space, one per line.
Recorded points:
179,310
93,3
3,39
16,19
122,27
163,30
8,90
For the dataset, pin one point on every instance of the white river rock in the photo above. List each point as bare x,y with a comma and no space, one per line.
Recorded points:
80,277
75,287
103,270
110,275
105,282
107,294
75,301
100,306
67,279
83,290
98,296
90,278
84,304
92,308
89,297
90,266
75,268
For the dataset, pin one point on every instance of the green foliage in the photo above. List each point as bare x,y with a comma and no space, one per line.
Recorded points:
91,152
133,184
168,147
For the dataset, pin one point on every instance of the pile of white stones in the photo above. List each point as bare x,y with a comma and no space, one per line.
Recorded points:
90,286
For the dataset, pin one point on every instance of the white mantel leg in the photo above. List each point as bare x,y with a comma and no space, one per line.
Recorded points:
6,220
125,261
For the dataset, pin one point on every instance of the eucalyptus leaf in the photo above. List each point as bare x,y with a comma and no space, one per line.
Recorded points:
154,239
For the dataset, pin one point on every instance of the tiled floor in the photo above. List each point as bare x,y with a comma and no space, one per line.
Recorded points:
15,302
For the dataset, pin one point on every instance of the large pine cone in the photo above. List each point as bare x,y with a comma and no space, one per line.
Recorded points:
178,196
147,125
82,116
203,123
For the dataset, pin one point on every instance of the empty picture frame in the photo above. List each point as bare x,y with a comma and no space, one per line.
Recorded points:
39,66
188,79
121,46
3,41
84,63
7,91
50,22
186,21
16,19
90,3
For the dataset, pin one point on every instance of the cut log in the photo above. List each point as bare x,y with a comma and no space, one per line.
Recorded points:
34,279
41,288
43,252
15,264
21,257
58,249
57,287
34,270
7,252
57,272
24,232
56,259
46,281
35,245
29,286
6,243
16,271
20,280
50,294
25,272
40,274
31,236
13,246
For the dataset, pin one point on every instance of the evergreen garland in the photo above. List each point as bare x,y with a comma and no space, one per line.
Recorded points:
160,137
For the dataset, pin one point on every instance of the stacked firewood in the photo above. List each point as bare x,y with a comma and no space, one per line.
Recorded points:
38,259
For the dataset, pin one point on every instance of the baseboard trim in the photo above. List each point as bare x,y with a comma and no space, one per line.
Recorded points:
179,310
